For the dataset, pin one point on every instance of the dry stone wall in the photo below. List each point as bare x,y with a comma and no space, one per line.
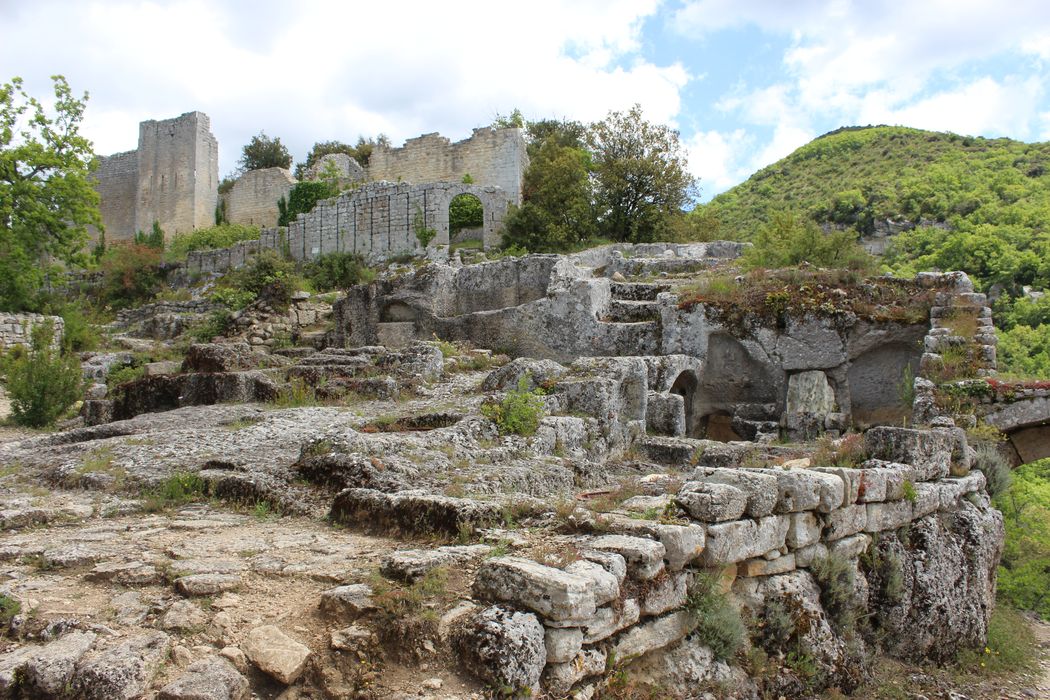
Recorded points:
762,531
17,329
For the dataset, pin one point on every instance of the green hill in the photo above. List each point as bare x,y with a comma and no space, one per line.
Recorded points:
981,205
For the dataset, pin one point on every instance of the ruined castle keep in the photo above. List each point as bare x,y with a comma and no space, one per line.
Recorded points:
172,178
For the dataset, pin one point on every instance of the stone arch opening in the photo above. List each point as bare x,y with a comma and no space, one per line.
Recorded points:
878,382
466,220
685,385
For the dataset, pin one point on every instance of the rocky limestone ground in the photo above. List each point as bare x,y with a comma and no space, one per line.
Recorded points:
241,587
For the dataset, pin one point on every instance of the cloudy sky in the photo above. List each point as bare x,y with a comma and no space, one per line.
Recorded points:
745,81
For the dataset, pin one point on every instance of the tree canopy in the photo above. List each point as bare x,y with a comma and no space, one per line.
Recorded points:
622,178
360,152
264,152
47,198
641,180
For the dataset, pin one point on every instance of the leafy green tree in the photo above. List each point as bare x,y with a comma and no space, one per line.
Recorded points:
47,198
790,239
557,212
264,152
360,152
303,197
514,120
42,383
641,181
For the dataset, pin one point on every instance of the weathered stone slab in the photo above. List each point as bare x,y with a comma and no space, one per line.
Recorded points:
850,479
927,499
551,592
347,602
206,584
562,643
276,654
759,487
805,557
666,593
503,647
850,547
212,678
728,543
654,634
644,557
608,621
683,544
711,502
766,567
124,671
561,677
48,671
929,452
604,584
803,530
888,516
843,522
797,490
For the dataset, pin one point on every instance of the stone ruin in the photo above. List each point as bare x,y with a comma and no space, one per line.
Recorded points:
172,179
670,465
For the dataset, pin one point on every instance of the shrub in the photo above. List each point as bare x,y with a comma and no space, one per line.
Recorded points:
41,382
78,331
178,489
303,197
993,465
269,276
789,240
131,275
848,452
216,324
235,299
835,577
338,271
520,411
424,233
221,236
719,627
1024,573
9,607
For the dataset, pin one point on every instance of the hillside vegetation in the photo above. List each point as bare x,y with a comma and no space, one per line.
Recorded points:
982,205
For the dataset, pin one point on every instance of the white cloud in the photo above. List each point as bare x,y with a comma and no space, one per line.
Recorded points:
921,64
317,70
717,158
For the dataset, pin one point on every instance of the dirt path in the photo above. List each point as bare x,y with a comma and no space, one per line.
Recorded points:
1042,635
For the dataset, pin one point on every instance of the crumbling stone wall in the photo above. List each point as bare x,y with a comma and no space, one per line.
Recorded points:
171,178
117,181
492,157
17,329
253,198
377,220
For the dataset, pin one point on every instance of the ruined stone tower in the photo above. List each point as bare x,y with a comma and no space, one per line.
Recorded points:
171,178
